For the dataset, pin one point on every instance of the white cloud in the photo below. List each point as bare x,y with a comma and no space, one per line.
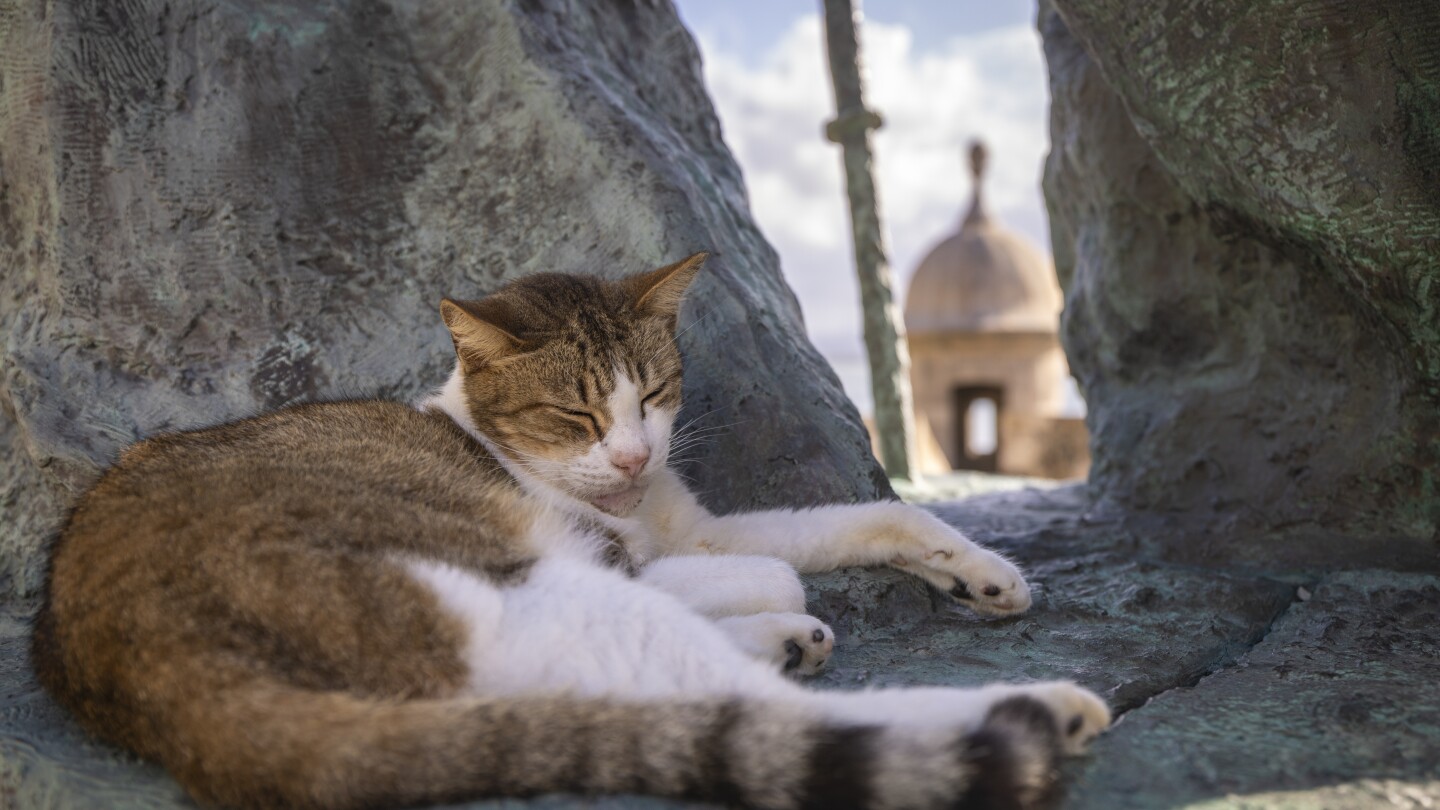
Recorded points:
990,85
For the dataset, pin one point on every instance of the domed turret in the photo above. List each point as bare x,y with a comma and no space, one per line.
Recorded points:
983,278
986,367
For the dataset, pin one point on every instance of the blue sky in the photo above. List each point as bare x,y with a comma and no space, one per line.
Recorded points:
940,72
750,27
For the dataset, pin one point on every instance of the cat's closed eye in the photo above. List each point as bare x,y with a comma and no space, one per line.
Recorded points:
585,418
652,396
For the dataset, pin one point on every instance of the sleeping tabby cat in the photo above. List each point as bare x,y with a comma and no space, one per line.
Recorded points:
505,591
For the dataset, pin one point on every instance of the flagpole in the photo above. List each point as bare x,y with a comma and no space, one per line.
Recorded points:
884,328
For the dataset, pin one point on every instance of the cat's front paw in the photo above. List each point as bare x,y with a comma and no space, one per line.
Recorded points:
974,576
795,643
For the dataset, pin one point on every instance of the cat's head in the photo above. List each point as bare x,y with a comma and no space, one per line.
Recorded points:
575,378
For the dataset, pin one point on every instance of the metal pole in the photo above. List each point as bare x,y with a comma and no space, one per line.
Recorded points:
884,329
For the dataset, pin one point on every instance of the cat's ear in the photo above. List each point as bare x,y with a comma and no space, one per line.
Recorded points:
479,341
659,292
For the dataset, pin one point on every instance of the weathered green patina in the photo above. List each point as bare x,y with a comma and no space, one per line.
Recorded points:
1246,217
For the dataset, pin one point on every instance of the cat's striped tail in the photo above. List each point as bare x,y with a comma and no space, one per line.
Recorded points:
294,748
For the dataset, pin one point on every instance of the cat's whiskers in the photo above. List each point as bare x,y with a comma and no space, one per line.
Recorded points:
679,450
678,335
684,477
687,430
681,441
696,418
704,433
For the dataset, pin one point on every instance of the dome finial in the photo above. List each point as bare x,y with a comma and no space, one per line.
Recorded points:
979,156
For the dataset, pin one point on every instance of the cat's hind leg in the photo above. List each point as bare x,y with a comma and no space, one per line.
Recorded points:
574,627
793,642
728,584
758,601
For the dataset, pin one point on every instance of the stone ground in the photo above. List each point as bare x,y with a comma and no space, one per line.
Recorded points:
1234,689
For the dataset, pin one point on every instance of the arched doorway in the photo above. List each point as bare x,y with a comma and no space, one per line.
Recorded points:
977,426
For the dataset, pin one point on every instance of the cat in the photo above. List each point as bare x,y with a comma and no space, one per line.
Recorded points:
505,591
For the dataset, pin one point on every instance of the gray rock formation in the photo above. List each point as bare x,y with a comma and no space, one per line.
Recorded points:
213,208
1245,204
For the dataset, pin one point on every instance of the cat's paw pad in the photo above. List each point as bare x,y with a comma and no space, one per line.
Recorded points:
975,577
807,650
1001,592
1080,715
795,643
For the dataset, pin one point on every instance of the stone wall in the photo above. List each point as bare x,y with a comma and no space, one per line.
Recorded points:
212,208
1245,204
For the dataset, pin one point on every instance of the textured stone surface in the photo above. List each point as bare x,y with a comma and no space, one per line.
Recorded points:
214,207
1106,614
1337,708
1245,208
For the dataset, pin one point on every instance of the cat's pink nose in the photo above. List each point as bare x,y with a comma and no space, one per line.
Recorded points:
631,462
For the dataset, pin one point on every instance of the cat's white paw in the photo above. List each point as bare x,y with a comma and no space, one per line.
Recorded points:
807,650
976,577
1079,713
795,643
